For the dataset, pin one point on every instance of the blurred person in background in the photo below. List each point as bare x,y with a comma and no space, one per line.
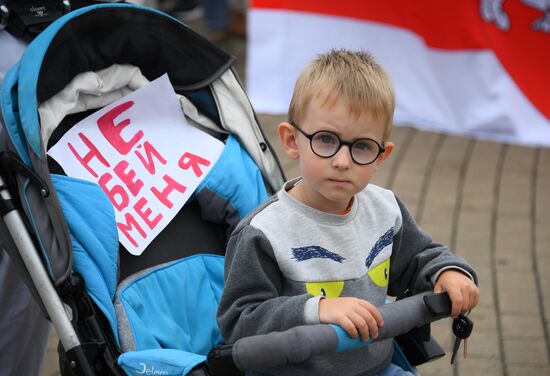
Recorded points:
222,19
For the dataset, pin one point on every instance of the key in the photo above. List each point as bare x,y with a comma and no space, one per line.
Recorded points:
455,349
462,328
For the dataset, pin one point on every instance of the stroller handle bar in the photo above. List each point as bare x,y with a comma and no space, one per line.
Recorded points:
302,342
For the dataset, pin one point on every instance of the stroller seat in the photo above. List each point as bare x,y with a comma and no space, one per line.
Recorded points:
177,326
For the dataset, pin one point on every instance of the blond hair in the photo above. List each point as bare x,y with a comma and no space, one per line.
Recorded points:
351,75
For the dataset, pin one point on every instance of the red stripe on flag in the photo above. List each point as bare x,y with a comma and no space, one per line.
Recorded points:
454,25
436,21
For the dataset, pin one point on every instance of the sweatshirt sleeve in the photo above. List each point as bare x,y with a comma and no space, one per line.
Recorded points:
251,302
416,259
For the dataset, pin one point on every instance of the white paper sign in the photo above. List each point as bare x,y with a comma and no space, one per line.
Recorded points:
144,155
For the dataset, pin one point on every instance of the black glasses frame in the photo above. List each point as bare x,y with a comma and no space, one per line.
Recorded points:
341,142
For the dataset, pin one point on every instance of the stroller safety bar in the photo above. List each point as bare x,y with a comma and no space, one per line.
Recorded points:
300,343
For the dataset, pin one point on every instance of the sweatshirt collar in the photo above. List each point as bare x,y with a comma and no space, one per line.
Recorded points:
308,211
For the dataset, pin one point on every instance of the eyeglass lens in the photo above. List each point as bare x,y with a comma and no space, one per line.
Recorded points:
326,144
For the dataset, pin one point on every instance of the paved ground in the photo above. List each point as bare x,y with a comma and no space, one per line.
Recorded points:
489,202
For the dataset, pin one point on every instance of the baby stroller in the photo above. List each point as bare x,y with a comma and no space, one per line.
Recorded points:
116,313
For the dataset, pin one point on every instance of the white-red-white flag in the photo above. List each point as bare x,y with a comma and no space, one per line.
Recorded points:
472,67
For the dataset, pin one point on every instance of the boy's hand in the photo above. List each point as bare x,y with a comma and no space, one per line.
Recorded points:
462,291
352,314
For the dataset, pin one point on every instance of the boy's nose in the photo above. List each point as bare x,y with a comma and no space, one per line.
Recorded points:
342,159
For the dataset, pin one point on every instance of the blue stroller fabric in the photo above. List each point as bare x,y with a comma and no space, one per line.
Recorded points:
235,180
188,319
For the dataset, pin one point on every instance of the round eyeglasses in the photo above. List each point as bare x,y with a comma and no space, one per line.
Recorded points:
326,144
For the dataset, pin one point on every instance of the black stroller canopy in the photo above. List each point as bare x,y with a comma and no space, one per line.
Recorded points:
154,42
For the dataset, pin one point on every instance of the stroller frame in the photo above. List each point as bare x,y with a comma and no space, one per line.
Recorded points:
42,281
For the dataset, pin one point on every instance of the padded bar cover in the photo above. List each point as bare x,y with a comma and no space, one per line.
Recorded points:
403,315
277,348
302,342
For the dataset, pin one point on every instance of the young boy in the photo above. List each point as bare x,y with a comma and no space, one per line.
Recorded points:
329,247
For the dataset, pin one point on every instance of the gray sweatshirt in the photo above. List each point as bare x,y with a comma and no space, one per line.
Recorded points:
285,256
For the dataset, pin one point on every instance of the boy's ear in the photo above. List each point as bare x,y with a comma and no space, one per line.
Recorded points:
388,146
287,136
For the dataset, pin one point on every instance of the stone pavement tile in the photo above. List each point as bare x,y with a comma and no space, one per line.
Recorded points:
510,259
518,300
440,230
479,366
504,266
474,246
441,200
478,197
484,321
438,367
546,304
542,236
484,158
513,239
521,325
478,191
545,296
473,233
543,267
543,261
443,188
476,254
544,283
478,222
543,201
515,196
525,351
519,160
518,297
509,226
452,148
484,345
516,280
543,184
400,136
441,331
528,370
438,224
544,161
50,367
413,168
439,207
